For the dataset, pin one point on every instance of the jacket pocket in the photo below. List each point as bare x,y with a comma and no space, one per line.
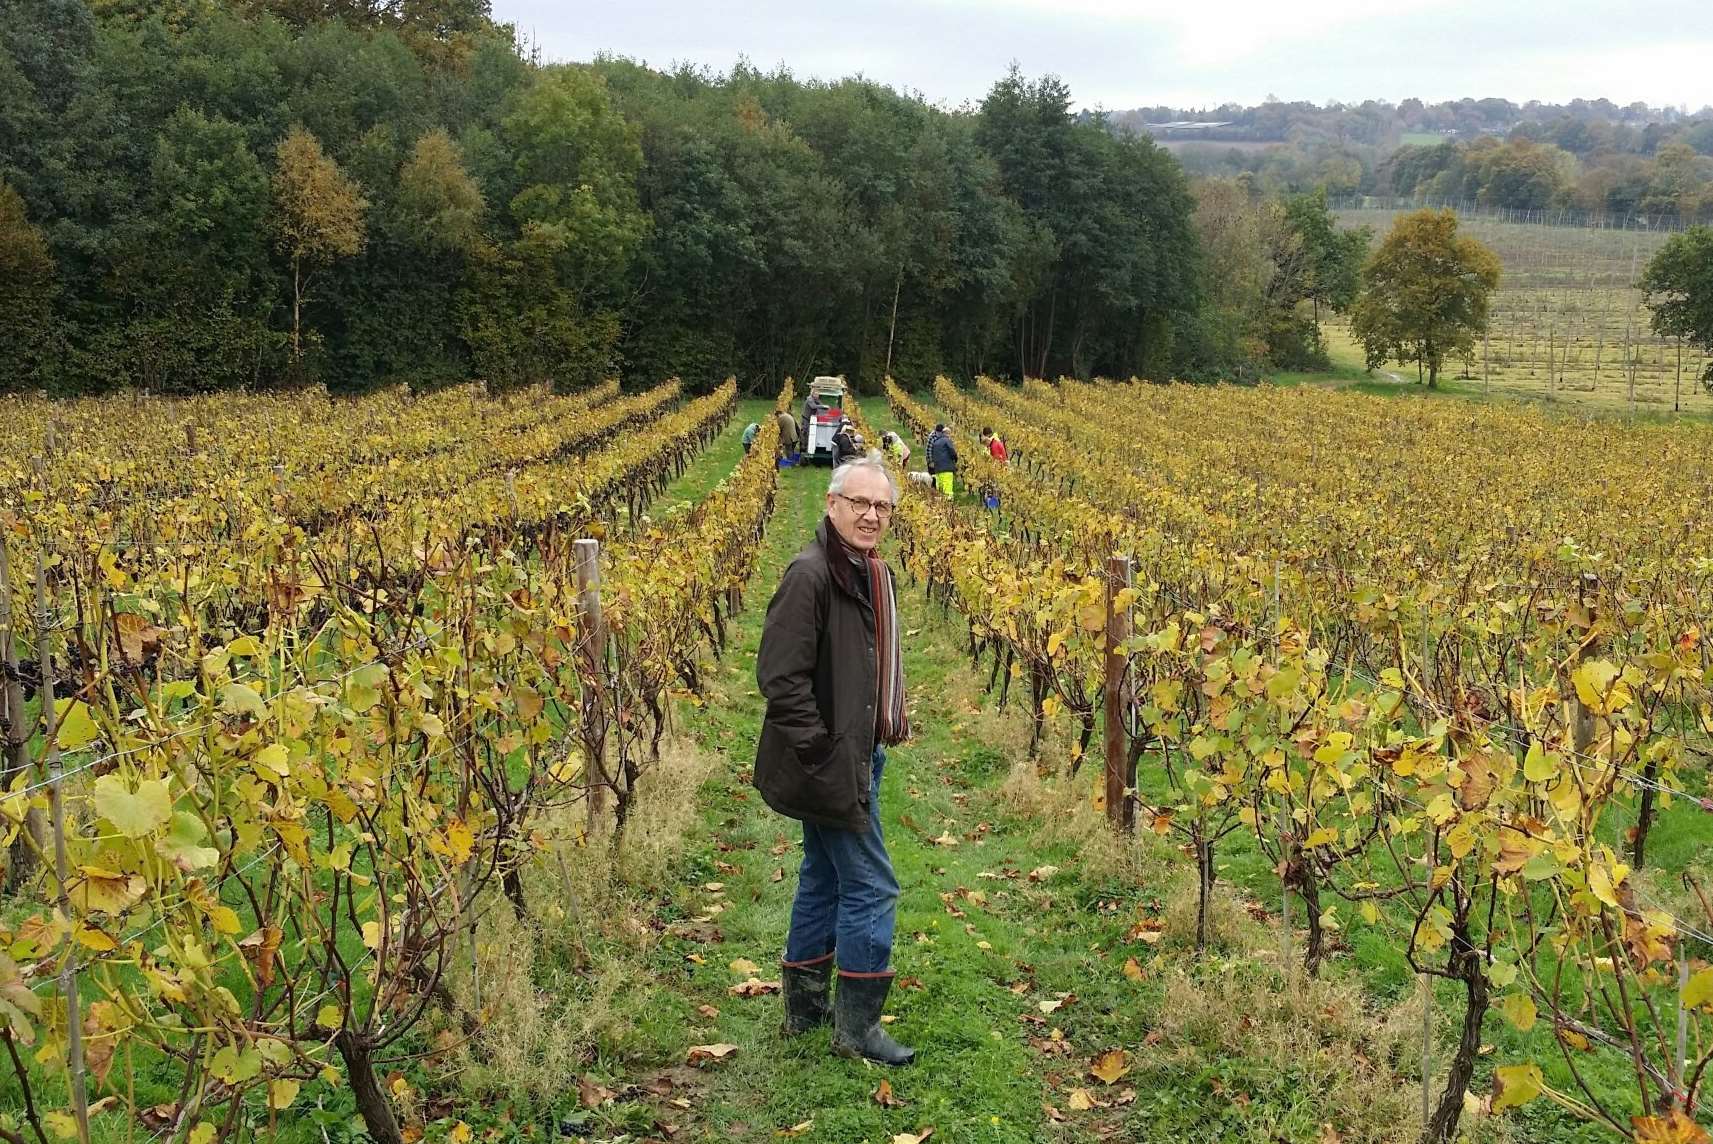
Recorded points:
819,753
826,783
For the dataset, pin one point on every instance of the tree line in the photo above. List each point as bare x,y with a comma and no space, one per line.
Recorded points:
196,195
1587,155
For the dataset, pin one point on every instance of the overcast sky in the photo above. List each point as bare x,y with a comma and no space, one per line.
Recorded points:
1116,54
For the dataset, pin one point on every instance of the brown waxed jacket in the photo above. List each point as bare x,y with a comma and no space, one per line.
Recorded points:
816,668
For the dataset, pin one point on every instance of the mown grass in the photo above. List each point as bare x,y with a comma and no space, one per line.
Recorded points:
1348,371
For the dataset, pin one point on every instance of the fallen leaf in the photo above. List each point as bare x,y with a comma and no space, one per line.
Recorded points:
591,1094
885,1097
946,839
1133,969
703,931
699,1054
779,875
1079,1100
1329,1134
1148,930
913,1137
1053,1045
745,966
1059,1002
708,1011
754,987
796,1129
1109,1066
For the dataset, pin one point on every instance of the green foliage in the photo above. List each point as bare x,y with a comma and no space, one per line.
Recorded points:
575,222
1268,268
27,289
1117,257
1678,284
440,205
1426,293
1334,256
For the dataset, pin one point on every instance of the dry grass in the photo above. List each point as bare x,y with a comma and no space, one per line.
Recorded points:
1347,1062
565,984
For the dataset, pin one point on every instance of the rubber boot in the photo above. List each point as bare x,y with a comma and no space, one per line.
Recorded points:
806,989
856,1022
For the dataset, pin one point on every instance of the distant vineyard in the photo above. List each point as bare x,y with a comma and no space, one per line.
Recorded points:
1568,323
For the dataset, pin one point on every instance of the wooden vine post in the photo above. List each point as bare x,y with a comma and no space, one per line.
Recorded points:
56,780
592,667
17,743
1120,808
1287,962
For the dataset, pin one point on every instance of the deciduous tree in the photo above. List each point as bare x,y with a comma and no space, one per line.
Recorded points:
1678,285
318,217
1426,294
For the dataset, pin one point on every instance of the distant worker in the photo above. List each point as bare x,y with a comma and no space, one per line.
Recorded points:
749,432
942,459
847,443
995,447
787,433
895,448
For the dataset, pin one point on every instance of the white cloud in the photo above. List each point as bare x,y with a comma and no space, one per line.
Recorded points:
1123,53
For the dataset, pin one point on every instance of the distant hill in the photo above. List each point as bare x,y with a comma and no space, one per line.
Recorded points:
1588,155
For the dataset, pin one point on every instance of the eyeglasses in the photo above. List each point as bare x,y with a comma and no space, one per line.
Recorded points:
863,506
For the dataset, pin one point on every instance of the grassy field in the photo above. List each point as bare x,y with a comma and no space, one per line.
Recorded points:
1568,324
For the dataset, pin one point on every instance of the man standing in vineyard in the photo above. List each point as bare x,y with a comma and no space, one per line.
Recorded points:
787,433
942,459
832,671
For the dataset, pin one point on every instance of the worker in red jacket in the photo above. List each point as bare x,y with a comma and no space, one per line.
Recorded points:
995,447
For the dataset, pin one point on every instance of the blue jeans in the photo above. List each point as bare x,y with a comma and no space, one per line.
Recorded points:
847,895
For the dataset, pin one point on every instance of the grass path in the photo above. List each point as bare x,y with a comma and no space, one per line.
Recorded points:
713,464
981,947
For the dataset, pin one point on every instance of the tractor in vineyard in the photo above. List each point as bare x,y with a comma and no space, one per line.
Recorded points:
823,410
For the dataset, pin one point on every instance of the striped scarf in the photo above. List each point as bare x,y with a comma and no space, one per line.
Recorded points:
892,721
